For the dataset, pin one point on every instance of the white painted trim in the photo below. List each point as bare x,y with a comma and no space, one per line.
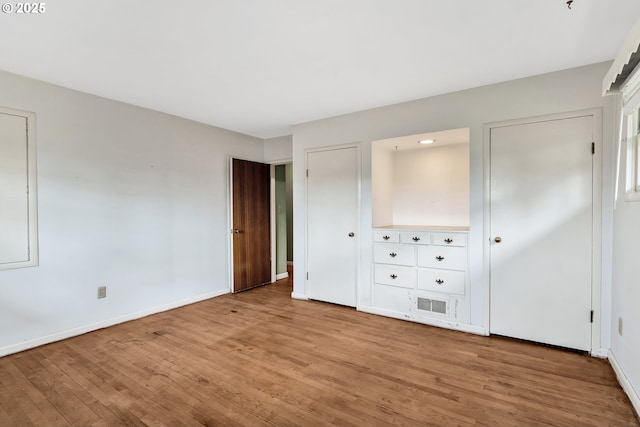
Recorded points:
298,295
230,221
625,384
282,276
272,220
602,353
32,183
280,161
69,333
448,324
596,272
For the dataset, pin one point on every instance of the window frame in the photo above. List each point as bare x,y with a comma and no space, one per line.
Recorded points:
631,135
32,198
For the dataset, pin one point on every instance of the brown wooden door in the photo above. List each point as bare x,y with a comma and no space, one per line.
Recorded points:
251,225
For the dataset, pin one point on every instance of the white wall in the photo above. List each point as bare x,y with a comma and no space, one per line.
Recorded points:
278,150
563,91
381,187
625,299
128,198
431,186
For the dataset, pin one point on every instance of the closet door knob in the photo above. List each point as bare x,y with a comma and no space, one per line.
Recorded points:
498,239
352,234
440,258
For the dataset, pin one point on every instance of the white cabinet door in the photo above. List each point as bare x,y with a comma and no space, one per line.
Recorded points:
332,225
541,210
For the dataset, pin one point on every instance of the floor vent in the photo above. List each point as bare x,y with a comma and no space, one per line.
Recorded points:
432,305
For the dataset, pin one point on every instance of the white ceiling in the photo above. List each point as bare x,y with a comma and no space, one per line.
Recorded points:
260,66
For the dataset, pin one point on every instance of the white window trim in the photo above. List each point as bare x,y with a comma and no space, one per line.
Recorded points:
630,135
33,260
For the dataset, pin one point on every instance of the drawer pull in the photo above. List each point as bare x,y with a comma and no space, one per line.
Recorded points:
440,258
394,276
393,254
448,241
439,281
416,239
386,237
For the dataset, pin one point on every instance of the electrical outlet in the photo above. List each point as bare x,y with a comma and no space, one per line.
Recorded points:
620,326
102,291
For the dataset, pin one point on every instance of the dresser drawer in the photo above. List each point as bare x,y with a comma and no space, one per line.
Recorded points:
451,258
441,239
394,254
415,237
404,277
441,280
386,236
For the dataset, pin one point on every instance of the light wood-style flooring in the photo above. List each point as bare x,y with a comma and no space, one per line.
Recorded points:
260,358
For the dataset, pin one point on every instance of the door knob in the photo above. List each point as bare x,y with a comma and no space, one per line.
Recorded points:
236,231
352,234
498,239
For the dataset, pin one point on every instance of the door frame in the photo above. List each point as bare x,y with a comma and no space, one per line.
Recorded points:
357,227
230,159
596,254
273,165
272,225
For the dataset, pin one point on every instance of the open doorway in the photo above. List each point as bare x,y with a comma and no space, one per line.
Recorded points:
283,221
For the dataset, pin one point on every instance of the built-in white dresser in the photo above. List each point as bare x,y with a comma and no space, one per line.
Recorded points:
420,273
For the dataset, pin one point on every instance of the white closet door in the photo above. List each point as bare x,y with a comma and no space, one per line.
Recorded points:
332,225
541,211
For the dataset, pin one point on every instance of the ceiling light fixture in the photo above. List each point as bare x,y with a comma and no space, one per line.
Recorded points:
427,141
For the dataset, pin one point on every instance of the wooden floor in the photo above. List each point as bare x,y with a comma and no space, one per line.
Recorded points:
260,358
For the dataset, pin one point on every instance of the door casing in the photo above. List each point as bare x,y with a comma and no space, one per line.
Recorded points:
356,227
596,261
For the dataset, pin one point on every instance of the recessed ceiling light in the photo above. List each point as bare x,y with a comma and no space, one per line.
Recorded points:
427,141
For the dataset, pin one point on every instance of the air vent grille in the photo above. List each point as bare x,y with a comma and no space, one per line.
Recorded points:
432,305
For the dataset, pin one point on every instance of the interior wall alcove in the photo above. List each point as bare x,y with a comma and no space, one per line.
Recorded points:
417,184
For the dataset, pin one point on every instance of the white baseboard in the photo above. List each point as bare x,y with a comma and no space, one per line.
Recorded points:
282,276
297,295
69,333
624,382
448,324
602,353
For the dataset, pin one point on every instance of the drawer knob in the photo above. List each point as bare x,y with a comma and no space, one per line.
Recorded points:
393,254
386,237
394,276
440,258
448,241
439,281
416,239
